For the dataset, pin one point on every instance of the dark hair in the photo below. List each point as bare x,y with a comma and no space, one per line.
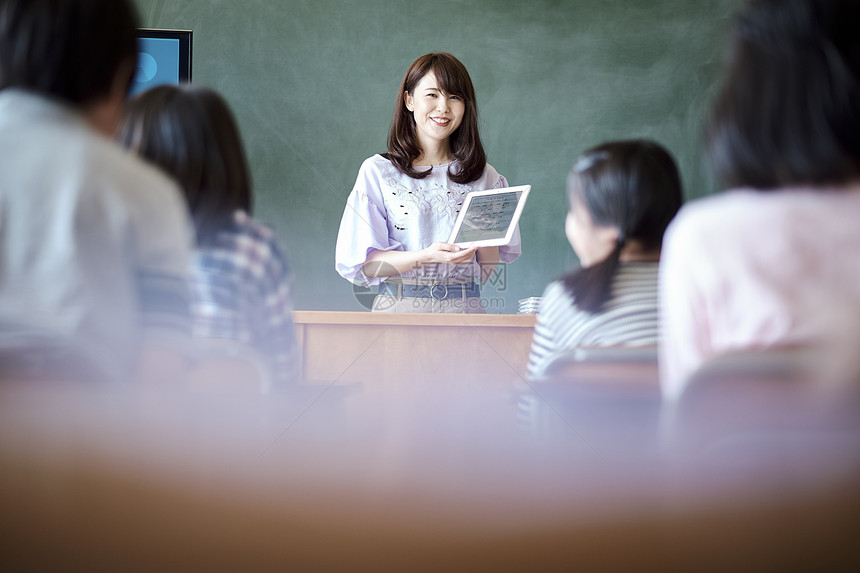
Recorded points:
192,135
68,49
788,111
403,147
631,185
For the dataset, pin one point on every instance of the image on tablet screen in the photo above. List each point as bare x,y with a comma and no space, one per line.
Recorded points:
488,217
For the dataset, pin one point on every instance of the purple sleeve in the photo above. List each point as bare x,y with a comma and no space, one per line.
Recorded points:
364,227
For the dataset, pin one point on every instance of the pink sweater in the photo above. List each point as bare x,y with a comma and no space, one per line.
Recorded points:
749,270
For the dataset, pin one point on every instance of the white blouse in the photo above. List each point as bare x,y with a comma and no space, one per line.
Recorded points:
390,211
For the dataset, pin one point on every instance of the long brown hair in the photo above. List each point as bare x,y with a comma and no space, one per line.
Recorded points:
192,135
465,142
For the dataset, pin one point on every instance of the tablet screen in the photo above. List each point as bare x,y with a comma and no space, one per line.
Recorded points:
488,217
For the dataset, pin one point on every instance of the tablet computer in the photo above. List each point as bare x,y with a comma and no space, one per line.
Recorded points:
489,218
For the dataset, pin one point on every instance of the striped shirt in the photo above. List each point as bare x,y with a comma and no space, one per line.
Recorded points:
241,291
628,318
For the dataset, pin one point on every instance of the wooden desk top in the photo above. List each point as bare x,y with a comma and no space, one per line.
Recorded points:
412,319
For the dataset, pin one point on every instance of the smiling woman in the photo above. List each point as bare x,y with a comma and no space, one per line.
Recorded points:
405,202
437,116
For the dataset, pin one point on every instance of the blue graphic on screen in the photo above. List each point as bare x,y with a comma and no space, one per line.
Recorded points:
157,63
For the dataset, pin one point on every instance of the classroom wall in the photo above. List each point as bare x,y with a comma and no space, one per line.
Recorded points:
313,84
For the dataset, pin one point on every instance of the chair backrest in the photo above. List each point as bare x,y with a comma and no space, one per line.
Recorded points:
744,397
607,371
52,363
609,395
227,365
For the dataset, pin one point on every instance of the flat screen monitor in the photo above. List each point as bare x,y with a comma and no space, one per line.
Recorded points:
164,57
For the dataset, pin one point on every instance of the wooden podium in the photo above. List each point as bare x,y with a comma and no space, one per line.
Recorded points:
385,351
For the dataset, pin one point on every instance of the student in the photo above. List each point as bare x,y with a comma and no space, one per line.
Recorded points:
622,196
93,243
774,262
404,204
240,281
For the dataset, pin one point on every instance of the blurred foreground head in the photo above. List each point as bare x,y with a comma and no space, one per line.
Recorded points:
788,112
78,51
191,133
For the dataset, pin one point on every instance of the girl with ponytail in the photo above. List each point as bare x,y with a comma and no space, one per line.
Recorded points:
622,196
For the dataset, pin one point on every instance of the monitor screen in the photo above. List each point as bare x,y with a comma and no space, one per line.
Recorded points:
164,57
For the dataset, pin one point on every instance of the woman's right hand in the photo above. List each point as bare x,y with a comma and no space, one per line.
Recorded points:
390,263
448,254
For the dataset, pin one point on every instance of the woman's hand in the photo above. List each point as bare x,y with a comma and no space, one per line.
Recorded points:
391,263
448,253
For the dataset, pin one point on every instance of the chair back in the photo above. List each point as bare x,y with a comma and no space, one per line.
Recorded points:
629,372
610,396
227,365
775,396
49,363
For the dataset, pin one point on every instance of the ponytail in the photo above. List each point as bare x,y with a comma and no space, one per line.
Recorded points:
590,287
632,186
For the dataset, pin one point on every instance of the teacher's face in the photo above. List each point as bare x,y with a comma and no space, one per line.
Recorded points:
437,114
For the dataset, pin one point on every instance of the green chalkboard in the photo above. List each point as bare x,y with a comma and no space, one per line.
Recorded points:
313,84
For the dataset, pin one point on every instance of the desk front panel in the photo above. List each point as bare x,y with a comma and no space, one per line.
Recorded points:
386,352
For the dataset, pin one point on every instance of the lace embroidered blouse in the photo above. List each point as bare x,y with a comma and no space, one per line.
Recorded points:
388,211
